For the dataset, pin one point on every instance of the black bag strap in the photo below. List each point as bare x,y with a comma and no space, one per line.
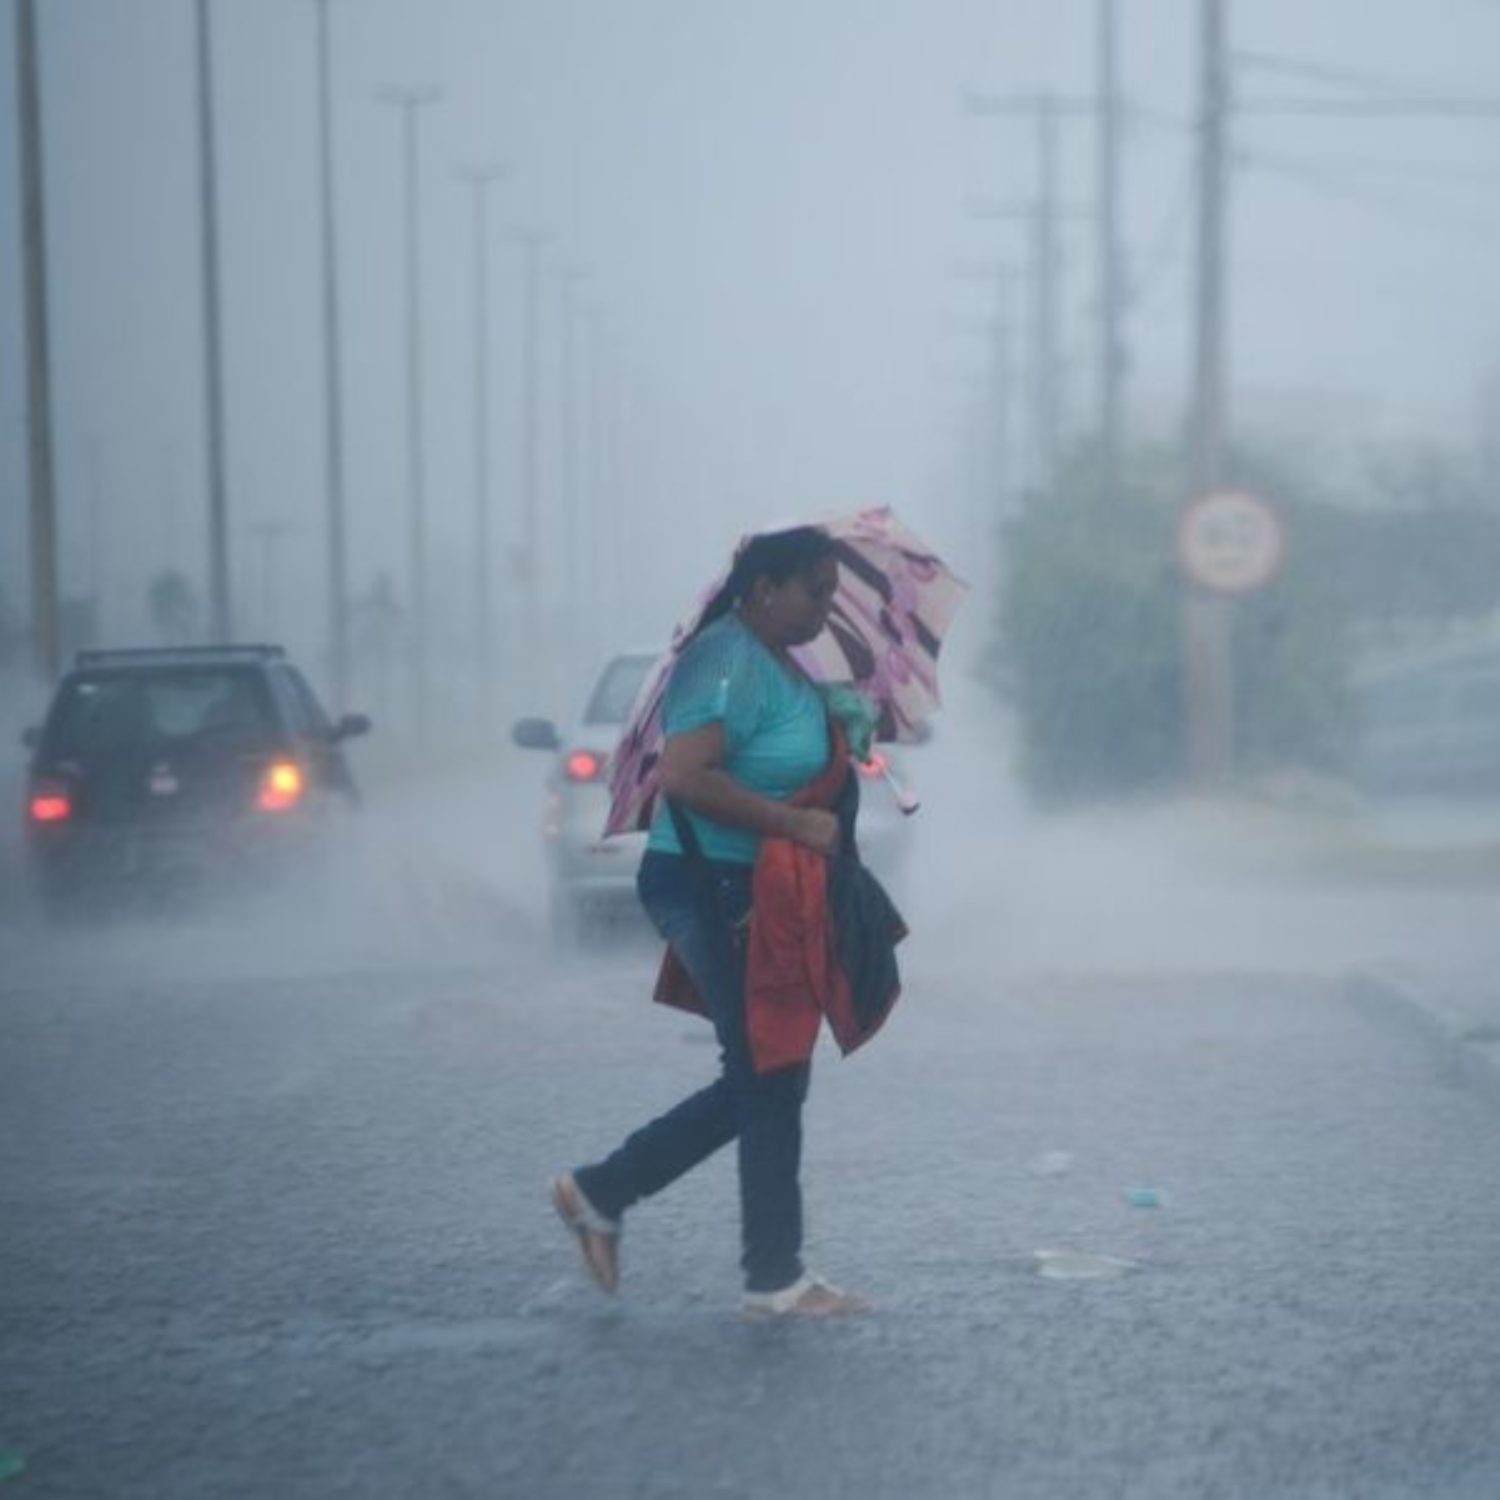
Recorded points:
687,836
692,850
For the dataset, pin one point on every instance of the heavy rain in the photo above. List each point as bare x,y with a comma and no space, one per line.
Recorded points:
384,390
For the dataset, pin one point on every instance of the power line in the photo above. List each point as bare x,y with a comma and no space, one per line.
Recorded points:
1351,78
1395,206
1393,108
1427,171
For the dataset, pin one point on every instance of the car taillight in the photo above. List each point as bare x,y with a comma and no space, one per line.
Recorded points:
583,765
875,766
50,803
280,787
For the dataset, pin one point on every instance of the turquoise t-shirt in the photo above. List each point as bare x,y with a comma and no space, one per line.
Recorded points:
775,728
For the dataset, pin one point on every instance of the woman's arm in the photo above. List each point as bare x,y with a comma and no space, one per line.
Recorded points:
692,773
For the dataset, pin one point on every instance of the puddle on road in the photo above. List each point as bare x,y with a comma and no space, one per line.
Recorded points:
1080,1265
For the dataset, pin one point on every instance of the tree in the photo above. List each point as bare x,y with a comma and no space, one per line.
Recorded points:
1090,646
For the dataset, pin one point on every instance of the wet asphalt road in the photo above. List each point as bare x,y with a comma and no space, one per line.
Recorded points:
287,1234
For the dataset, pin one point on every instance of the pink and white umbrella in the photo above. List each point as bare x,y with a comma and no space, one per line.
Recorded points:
895,601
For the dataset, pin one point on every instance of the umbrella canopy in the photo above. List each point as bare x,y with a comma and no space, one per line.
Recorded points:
894,603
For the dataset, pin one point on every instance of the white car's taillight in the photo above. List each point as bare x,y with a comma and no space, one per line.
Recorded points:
584,765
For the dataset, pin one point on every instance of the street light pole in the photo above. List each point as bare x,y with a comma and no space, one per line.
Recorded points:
601,485
479,180
43,507
409,101
574,529
338,583
532,242
221,612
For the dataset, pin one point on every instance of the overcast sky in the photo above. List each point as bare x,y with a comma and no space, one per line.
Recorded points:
771,204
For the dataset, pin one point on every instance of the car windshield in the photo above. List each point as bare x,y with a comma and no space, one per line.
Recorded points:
161,710
616,689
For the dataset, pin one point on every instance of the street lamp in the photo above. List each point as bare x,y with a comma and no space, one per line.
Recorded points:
409,101
479,180
338,583
532,242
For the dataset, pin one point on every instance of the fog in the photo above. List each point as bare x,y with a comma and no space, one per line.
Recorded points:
1159,1178
768,279
771,213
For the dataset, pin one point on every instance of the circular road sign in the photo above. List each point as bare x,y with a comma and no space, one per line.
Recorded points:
1229,541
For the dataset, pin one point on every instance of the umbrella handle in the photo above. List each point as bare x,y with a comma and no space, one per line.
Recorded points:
906,799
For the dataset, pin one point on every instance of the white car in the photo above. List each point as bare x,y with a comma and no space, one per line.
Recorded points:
592,877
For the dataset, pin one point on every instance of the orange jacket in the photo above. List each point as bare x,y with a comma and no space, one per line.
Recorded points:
821,941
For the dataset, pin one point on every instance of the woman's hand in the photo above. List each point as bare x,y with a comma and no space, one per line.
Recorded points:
817,829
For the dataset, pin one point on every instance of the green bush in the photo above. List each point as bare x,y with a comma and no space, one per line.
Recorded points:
1089,642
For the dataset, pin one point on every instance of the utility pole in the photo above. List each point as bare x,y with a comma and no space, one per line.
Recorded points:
43,501
409,101
337,583
1111,293
479,180
532,242
1046,357
1208,618
1042,214
220,607
989,501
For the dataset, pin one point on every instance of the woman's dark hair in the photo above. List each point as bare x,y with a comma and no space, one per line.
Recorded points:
777,555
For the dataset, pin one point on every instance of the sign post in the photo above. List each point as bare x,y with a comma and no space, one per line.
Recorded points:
1229,543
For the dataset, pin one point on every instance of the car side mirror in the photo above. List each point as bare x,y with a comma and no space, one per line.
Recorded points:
536,734
349,726
31,738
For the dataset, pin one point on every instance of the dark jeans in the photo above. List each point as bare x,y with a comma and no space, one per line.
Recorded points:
764,1111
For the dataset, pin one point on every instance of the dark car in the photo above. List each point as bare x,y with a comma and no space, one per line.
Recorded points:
180,760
